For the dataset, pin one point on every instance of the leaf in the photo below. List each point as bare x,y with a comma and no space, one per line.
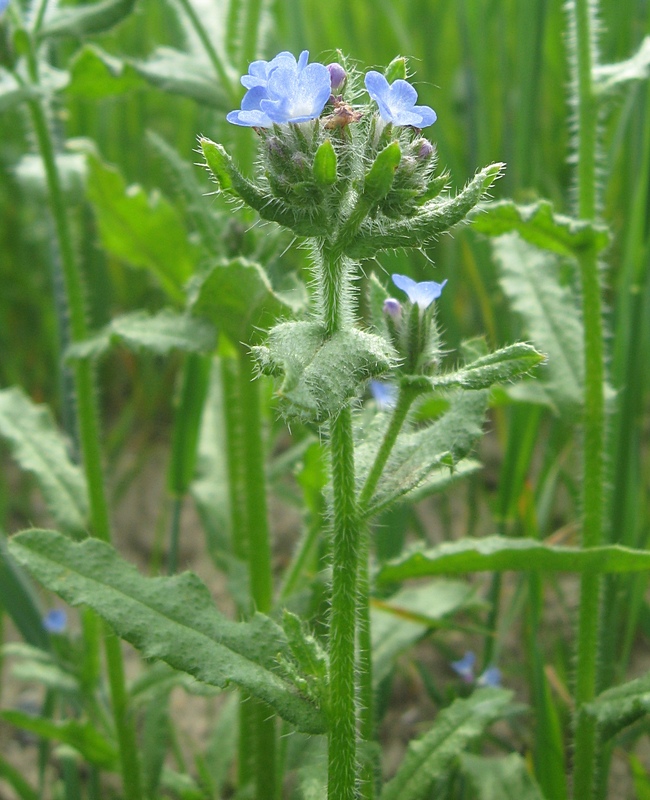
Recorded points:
12,93
82,20
238,298
95,74
609,77
500,553
172,619
420,453
321,374
453,729
158,333
175,72
39,448
80,735
399,622
499,778
540,226
530,279
620,706
435,217
502,365
19,600
144,230
15,779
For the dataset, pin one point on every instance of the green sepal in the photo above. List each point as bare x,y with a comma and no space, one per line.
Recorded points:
321,374
325,164
219,163
380,176
396,70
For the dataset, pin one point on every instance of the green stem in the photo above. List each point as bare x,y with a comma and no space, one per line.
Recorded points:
342,752
594,405
406,397
88,431
259,556
217,61
367,725
174,534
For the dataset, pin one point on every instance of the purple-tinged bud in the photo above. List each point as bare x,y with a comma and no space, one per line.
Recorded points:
393,308
338,76
425,151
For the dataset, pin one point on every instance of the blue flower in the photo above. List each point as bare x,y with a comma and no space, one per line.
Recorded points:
423,293
465,666
491,677
3,6
385,394
396,102
282,90
56,619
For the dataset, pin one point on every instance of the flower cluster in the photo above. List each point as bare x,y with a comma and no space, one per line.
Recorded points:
284,90
465,668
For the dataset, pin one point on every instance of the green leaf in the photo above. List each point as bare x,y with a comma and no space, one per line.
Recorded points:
321,374
238,298
540,226
80,735
144,230
453,729
158,333
619,707
39,448
500,553
83,20
530,279
95,74
499,778
396,70
609,77
14,778
435,217
325,164
175,72
503,365
12,93
396,624
381,174
420,453
19,600
172,619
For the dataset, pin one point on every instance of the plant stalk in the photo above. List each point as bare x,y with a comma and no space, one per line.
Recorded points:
88,423
594,403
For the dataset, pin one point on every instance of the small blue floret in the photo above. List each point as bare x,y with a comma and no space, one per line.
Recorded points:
491,677
384,394
56,619
282,90
465,666
3,6
423,293
397,101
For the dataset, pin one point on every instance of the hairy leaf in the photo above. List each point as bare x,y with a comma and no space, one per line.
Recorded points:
620,706
321,374
95,74
39,448
85,19
499,553
158,333
453,729
172,619
530,278
539,225
179,73
18,598
499,778
238,298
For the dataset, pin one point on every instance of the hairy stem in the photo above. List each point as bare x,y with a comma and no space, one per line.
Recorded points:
582,12
88,423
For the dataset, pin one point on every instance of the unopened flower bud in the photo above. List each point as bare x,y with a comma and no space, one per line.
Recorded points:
393,308
425,151
338,77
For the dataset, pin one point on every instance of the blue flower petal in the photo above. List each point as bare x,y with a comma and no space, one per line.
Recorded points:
3,6
396,102
250,119
491,677
423,293
55,621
